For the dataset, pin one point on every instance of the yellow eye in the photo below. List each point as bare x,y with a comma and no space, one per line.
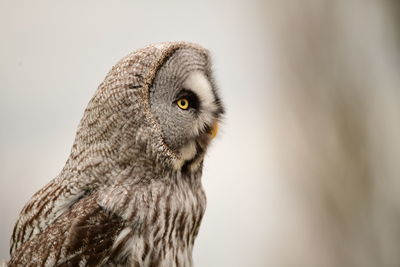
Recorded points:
183,103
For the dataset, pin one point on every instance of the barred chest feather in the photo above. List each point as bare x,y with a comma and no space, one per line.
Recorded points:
161,226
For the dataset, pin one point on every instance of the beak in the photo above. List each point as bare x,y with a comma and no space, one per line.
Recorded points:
214,129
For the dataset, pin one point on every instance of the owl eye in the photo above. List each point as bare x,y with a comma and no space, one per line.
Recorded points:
187,99
183,103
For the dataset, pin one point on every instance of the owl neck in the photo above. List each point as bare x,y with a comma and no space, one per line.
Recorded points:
91,169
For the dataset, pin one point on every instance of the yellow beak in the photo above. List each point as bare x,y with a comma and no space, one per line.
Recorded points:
214,130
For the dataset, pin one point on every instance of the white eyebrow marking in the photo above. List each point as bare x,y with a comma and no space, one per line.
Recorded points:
199,84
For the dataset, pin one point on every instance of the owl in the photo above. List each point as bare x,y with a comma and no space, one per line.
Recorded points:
130,193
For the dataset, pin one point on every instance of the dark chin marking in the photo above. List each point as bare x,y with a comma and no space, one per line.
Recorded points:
186,166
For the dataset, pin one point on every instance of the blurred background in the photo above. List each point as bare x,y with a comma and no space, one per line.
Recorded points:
305,170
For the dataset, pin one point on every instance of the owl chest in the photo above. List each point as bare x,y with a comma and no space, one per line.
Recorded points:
166,236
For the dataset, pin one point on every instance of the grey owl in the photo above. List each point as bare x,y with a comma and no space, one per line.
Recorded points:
130,192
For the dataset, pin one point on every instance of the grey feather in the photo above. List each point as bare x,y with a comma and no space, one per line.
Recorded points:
130,193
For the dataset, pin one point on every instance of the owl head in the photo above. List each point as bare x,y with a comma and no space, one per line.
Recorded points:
157,107
184,100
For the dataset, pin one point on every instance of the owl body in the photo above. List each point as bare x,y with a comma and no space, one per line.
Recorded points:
165,235
130,193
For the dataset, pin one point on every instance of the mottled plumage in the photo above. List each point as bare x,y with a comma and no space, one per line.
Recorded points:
130,193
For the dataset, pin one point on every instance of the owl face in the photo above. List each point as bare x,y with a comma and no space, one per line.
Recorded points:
184,100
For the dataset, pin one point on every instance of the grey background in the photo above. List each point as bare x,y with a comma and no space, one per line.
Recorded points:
304,171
